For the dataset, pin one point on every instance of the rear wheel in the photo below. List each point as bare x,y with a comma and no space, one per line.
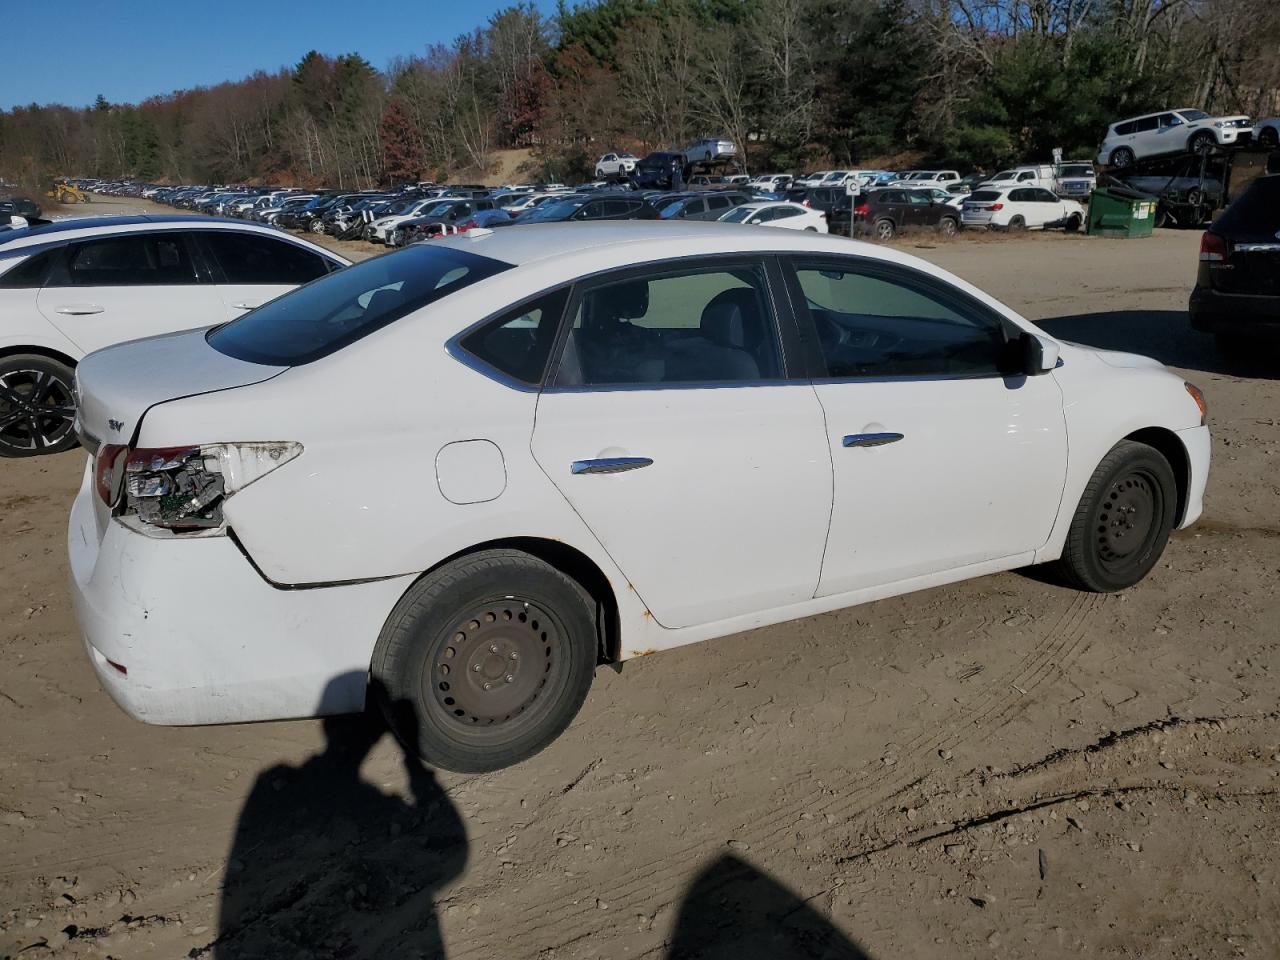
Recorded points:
37,406
1073,223
885,229
1122,158
948,226
1017,224
1123,521
486,661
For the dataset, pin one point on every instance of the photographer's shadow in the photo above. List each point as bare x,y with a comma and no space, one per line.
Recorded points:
733,911
325,864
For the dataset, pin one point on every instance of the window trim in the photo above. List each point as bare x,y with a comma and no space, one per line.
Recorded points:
891,272
473,361
789,347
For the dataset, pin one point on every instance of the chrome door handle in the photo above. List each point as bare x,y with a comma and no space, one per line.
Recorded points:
78,309
871,439
246,306
609,465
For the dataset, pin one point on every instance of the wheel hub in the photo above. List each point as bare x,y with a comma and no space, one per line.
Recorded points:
1126,518
495,664
36,410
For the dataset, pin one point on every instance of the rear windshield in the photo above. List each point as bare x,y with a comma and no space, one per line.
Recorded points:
984,196
336,310
1255,214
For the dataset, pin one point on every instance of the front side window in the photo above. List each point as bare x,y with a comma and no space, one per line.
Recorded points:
709,325
323,317
873,322
247,258
131,260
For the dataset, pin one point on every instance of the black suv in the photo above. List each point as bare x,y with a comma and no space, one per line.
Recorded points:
657,170
703,205
1237,292
589,206
835,202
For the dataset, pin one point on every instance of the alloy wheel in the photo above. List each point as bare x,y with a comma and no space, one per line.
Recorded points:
37,411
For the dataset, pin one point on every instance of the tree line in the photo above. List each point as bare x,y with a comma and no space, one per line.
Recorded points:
800,82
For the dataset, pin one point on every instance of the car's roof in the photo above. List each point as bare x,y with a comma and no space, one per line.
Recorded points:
636,240
76,227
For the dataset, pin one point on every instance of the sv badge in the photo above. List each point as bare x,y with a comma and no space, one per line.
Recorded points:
115,425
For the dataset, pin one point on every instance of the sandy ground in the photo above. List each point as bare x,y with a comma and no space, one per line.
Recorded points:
1002,768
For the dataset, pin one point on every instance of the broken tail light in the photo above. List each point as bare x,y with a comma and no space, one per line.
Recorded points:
1213,248
183,489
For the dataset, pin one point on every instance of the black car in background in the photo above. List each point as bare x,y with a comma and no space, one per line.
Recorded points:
1185,201
835,202
16,206
657,171
888,211
450,212
589,206
1237,292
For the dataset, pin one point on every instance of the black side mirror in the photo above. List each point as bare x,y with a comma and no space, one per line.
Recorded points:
1032,355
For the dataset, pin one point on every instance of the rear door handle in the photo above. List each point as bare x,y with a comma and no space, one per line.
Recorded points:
245,306
78,309
609,465
871,439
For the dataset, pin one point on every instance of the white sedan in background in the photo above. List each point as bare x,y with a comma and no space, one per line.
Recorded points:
1020,208
584,443
380,230
792,216
74,286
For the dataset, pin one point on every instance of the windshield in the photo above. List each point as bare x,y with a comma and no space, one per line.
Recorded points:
1193,115
1005,175
836,175
1076,170
739,214
336,310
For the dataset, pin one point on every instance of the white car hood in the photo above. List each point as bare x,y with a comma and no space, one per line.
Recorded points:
116,386
1118,359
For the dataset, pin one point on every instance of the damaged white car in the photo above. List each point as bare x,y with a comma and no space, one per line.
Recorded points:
474,470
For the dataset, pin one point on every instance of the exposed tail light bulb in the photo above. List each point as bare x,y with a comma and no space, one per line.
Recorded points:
184,488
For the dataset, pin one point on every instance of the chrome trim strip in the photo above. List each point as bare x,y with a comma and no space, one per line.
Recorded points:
870,439
609,465
1257,247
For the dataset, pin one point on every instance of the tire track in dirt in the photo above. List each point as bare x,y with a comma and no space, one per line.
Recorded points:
1051,653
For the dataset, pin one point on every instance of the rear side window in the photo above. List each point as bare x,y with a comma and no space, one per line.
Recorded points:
31,272
519,342
1124,129
132,260
250,258
341,308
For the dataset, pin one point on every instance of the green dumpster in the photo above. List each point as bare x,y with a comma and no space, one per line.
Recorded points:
1121,212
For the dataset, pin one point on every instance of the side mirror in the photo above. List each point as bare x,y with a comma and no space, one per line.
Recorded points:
1039,354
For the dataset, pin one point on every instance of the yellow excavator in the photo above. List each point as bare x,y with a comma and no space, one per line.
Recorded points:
63,192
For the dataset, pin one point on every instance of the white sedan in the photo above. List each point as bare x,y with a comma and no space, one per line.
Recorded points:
381,229
792,216
74,286
585,443
1020,208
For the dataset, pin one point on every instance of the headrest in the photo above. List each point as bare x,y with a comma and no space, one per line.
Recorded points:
731,319
628,300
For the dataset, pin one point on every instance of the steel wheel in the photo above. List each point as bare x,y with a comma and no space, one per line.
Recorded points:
1127,520
496,663
37,407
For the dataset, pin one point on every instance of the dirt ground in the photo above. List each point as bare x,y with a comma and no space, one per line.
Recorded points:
1001,768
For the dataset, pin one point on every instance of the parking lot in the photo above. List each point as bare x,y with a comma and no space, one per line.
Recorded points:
1003,767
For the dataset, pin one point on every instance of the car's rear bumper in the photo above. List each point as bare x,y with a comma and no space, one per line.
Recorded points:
1234,313
186,631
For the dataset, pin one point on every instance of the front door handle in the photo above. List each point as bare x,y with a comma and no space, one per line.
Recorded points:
609,465
871,439
78,309
242,305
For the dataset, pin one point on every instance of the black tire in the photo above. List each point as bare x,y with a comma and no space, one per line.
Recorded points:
1269,137
599,174
948,226
1073,223
885,229
1201,142
1123,521
1017,224
1122,158
485,661
37,406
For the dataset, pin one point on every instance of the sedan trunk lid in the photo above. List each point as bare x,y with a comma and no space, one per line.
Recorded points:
116,386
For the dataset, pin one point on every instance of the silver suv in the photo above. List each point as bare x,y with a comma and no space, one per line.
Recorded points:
713,148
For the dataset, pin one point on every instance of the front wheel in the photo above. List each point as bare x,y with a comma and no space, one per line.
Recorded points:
37,406
1202,142
1123,521
1122,158
948,226
485,661
1269,137
1073,223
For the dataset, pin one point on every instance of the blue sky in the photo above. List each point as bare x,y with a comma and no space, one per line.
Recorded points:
127,50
